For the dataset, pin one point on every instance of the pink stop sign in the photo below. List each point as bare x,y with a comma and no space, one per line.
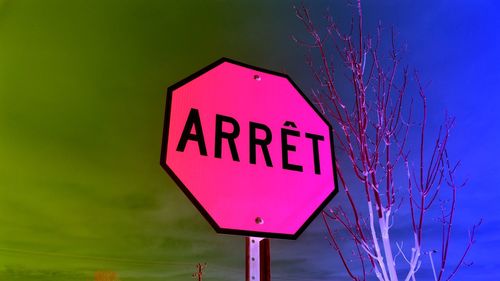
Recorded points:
249,150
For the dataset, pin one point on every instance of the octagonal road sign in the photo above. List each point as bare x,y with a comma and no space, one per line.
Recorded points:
249,149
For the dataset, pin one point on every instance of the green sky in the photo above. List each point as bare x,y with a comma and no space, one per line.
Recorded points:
82,88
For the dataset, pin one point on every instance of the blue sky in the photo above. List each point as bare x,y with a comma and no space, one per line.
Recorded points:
454,46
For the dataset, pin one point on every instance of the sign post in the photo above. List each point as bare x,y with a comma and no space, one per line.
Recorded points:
251,152
258,259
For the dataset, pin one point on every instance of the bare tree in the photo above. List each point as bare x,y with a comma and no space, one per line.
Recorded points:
200,267
373,125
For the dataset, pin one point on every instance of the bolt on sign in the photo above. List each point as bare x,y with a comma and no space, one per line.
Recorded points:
249,150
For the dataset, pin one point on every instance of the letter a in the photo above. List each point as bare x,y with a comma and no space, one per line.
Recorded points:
193,120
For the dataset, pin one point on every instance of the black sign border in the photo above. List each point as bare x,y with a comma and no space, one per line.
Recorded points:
215,226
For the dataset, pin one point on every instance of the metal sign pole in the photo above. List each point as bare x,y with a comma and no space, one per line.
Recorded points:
258,262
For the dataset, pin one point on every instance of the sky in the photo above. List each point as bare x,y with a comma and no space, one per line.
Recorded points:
82,97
